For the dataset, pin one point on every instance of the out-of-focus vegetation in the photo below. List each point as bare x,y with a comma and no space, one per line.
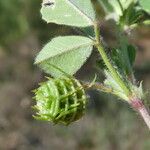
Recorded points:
13,22
108,124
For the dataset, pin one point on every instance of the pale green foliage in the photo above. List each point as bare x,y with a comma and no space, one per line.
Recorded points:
68,53
69,12
86,7
116,89
123,58
110,82
138,91
145,4
126,12
113,6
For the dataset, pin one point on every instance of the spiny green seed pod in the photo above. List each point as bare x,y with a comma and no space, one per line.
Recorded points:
60,100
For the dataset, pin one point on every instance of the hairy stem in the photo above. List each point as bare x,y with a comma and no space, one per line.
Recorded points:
107,61
97,86
141,109
134,102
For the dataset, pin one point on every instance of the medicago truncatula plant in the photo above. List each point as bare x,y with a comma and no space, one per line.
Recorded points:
62,98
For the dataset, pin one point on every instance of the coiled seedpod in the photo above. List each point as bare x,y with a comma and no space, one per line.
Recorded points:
61,100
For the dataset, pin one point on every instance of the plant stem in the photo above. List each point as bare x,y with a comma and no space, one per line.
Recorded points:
141,109
134,102
107,61
97,86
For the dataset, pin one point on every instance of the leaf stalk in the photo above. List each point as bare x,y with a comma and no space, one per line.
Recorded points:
107,62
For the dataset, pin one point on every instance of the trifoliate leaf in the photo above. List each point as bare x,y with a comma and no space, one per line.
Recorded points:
67,53
68,12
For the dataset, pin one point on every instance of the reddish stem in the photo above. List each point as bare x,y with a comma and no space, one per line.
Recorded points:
138,105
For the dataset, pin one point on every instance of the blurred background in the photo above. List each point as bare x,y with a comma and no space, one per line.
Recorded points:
109,123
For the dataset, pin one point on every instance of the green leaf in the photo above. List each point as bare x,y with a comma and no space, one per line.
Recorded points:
86,7
67,53
100,63
131,53
114,6
126,12
133,15
112,9
145,4
106,5
116,89
87,31
123,58
69,12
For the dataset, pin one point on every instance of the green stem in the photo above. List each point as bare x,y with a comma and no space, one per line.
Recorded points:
107,62
97,86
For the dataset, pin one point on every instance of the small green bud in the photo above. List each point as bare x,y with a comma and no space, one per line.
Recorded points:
60,100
